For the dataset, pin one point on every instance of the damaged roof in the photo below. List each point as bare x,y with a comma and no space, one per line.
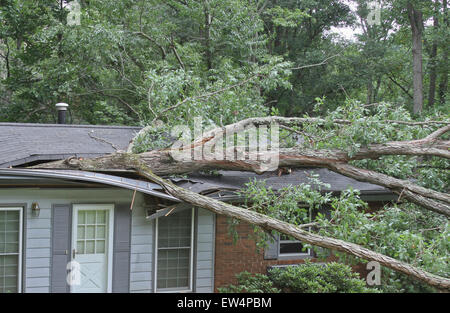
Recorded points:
227,182
22,144
77,175
26,143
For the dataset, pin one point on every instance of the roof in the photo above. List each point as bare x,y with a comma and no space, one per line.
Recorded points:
21,144
231,181
75,175
25,143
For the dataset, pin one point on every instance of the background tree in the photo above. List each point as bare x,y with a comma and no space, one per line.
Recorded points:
161,63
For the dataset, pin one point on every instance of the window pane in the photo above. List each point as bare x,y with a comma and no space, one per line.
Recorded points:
90,247
174,241
80,232
100,232
81,217
101,217
80,247
100,246
90,232
9,273
9,244
291,247
90,217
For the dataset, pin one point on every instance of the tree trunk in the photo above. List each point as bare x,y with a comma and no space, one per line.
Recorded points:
169,161
207,35
443,85
161,162
297,232
415,19
433,63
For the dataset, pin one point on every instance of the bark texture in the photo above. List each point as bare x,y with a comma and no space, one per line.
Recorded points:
289,229
416,21
166,161
162,162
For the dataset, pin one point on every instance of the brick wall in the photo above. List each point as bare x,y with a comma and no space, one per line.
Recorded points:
233,258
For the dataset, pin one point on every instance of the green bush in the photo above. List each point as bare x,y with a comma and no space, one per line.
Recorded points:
318,278
251,283
306,278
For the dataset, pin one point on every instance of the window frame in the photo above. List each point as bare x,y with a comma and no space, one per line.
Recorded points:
20,248
191,259
309,254
290,256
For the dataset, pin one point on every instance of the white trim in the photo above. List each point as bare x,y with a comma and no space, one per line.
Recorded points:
110,208
20,252
191,261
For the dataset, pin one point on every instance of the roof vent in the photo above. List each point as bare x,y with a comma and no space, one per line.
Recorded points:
62,108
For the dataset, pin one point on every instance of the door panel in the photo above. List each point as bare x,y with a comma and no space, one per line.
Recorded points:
92,242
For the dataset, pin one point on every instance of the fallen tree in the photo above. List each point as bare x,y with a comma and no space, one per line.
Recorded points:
154,163
162,162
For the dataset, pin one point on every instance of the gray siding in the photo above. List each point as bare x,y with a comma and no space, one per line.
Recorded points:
38,233
121,251
38,245
204,266
61,238
38,229
141,261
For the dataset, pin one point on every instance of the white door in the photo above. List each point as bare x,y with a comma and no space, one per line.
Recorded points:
92,234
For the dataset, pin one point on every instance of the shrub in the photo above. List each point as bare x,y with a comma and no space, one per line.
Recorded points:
251,283
306,278
318,278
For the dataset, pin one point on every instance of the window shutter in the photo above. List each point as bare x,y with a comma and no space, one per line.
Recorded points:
272,248
121,252
61,246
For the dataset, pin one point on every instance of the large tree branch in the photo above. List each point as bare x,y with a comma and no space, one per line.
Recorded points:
162,162
167,161
288,229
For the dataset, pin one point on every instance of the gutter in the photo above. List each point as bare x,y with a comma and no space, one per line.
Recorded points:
126,183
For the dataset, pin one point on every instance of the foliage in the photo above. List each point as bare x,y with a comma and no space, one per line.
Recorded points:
305,278
368,126
403,231
250,283
162,63
129,61
319,278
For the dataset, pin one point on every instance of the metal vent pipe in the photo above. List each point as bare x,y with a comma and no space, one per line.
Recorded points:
62,109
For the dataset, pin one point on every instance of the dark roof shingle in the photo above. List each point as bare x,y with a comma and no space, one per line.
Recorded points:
236,180
25,143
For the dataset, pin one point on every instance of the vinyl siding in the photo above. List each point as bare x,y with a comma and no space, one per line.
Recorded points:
38,229
38,243
204,266
141,265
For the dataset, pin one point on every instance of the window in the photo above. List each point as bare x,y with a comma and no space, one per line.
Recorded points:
10,250
92,231
174,247
291,247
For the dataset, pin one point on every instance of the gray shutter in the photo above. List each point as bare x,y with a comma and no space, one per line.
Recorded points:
272,248
61,245
121,252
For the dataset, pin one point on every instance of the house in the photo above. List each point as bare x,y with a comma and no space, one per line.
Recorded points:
112,231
